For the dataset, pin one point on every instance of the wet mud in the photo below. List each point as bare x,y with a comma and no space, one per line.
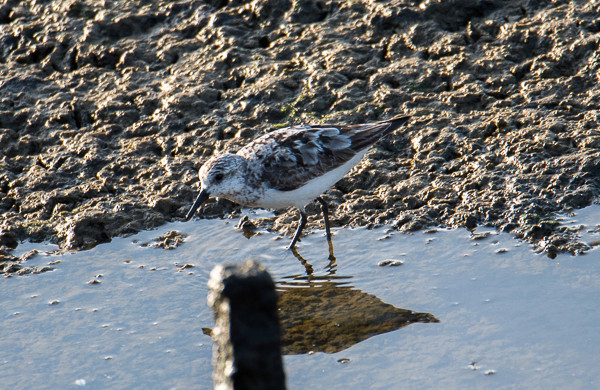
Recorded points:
107,110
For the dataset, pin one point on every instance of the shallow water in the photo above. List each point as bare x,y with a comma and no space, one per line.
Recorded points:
509,318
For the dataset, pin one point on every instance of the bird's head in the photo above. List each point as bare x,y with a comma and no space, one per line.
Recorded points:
221,176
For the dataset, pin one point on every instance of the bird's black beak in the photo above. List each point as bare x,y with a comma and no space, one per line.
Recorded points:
202,196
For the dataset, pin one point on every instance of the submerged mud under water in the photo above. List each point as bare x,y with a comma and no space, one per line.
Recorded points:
107,109
508,318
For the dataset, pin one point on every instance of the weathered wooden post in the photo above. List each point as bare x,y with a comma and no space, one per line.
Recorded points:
247,352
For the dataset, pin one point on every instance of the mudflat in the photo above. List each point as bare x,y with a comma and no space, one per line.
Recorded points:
107,110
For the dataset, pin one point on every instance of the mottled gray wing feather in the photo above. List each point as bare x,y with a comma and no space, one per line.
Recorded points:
292,156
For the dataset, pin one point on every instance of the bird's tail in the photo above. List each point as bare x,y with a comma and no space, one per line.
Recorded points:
367,134
395,123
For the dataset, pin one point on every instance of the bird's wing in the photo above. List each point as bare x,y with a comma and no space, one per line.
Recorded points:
288,158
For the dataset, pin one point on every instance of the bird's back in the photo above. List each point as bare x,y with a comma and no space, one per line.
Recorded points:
288,158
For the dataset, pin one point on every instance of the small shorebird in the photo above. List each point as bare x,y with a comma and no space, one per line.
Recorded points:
290,167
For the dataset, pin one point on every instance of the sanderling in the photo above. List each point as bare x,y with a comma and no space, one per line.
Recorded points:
290,167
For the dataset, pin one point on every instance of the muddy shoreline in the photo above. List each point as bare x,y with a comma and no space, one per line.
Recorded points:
107,110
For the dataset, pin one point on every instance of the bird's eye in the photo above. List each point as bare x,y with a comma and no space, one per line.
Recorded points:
218,177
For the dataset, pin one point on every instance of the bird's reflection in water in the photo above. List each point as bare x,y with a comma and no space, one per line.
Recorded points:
331,267
324,313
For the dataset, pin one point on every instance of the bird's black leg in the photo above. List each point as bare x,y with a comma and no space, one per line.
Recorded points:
299,230
325,211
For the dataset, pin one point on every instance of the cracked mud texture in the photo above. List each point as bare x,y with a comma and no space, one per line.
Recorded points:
107,110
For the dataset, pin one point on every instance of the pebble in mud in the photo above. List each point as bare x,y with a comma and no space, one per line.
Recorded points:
390,263
480,236
502,134
183,267
170,240
247,227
